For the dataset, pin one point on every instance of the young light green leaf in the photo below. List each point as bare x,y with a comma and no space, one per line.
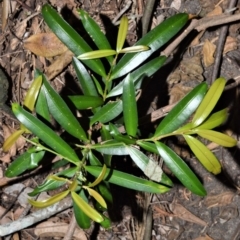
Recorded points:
70,38
180,169
154,40
99,178
8,143
130,113
217,137
32,93
82,219
107,113
45,133
134,49
128,181
97,54
86,208
50,201
204,155
86,102
215,120
62,114
146,70
209,101
95,32
182,111
86,82
24,162
122,33
111,147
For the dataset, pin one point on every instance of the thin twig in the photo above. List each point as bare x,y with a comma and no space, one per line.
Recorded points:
147,15
220,45
71,229
127,6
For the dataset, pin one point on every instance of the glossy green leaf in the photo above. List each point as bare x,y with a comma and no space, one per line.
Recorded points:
134,49
182,111
180,169
154,40
86,82
45,133
82,219
147,69
111,147
8,143
106,223
32,93
48,185
105,135
150,147
98,86
128,181
107,113
86,208
62,114
105,191
95,32
122,33
209,101
93,160
86,102
217,137
96,196
204,155
130,113
69,172
125,139
70,38
97,54
215,120
99,178
26,161
50,201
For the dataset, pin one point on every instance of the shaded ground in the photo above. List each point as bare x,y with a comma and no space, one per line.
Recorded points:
177,214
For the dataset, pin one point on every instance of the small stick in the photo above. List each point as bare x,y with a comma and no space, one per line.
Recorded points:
127,6
147,15
71,229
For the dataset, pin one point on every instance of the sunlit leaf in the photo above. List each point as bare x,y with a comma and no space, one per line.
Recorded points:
61,112
122,33
134,49
128,181
86,208
182,111
97,54
154,40
107,113
8,143
46,134
99,178
130,113
50,201
86,102
209,101
217,137
70,38
180,169
204,155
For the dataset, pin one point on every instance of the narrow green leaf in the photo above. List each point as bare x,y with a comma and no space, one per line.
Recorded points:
215,120
217,137
182,111
48,185
96,196
180,169
122,33
147,69
46,134
95,32
97,54
204,155
105,191
130,113
93,160
154,40
84,78
26,161
125,139
86,102
50,201
209,101
70,38
111,147
86,208
82,219
106,223
128,181
150,147
32,93
63,115
12,139
107,113
98,86
134,49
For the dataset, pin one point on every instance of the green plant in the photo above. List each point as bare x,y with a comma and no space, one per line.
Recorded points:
109,94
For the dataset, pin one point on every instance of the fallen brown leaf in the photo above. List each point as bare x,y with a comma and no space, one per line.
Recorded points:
206,237
45,44
230,44
219,200
208,52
